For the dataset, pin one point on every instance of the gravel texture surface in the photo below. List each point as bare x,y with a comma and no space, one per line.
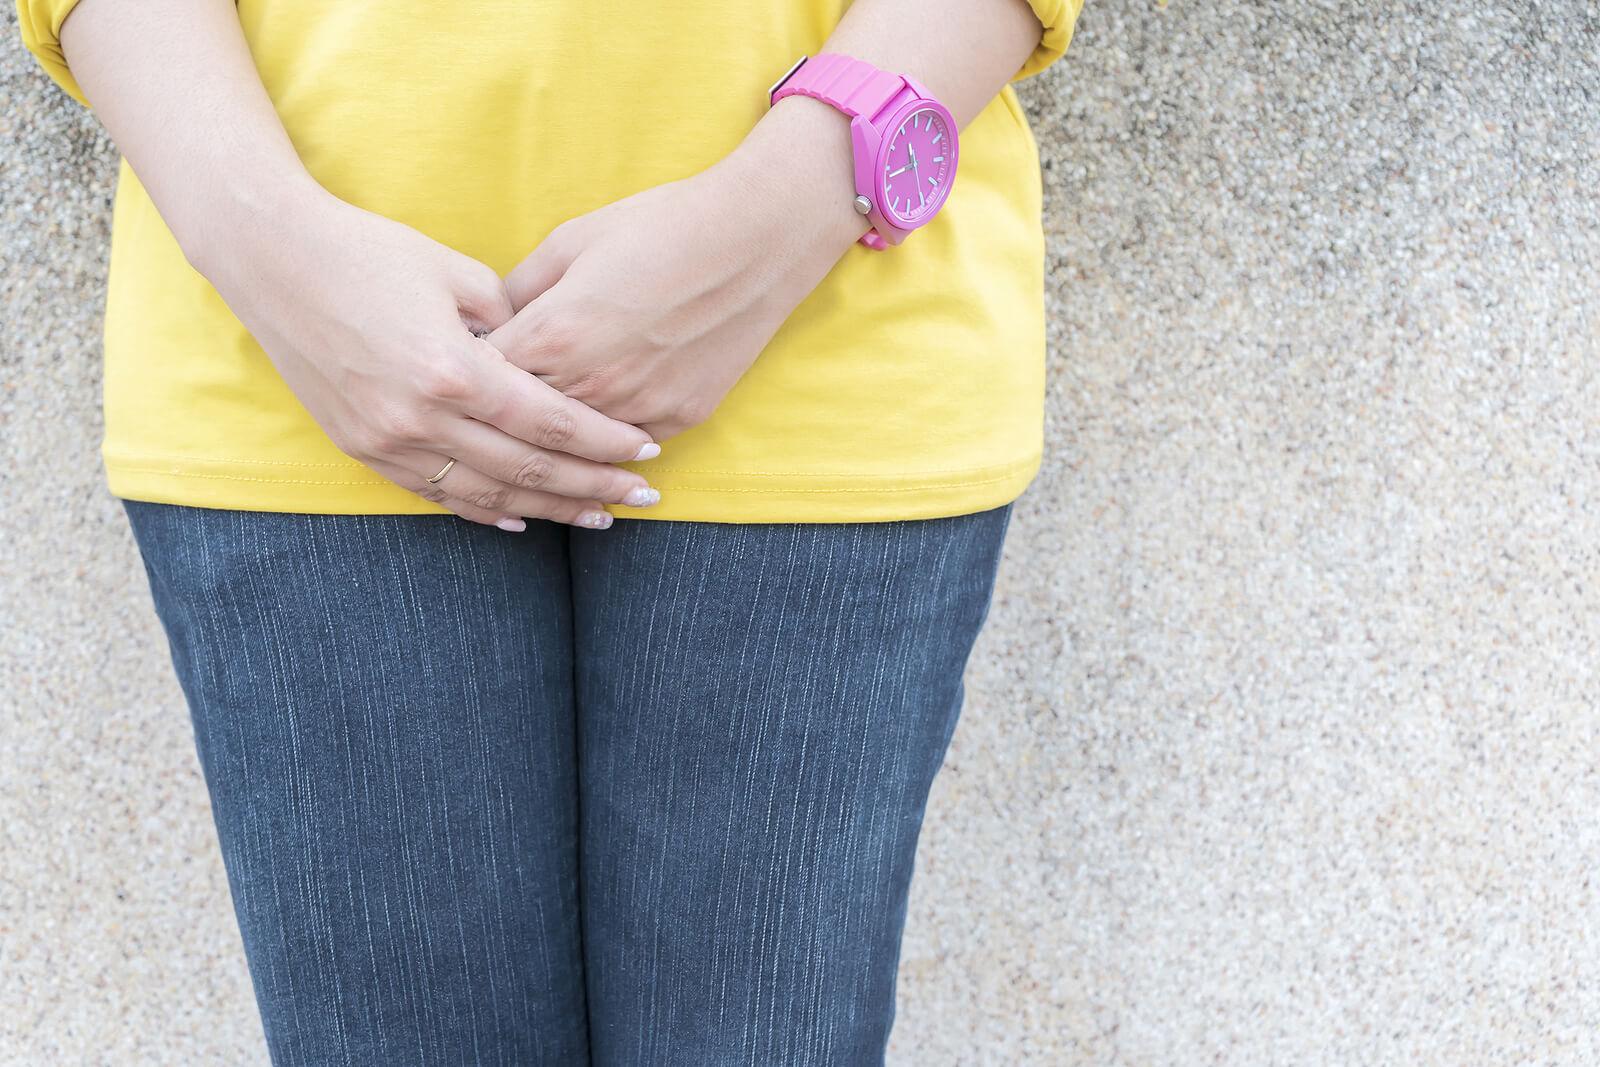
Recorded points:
1280,746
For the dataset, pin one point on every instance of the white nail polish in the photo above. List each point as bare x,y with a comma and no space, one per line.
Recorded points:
595,520
641,497
512,525
648,450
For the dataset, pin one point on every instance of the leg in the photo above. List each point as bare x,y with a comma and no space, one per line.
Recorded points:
762,710
382,708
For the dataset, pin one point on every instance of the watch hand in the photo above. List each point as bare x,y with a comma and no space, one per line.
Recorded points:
903,169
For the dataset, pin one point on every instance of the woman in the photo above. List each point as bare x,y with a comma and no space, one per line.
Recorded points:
517,790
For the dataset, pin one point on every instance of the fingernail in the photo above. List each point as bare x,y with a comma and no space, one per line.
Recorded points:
596,520
512,525
641,497
648,450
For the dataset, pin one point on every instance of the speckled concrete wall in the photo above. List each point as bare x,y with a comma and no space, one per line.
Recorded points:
1281,743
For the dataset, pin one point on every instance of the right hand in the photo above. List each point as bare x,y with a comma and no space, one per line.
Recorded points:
371,324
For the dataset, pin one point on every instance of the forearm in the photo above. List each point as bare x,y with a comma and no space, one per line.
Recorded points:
633,310
175,86
964,51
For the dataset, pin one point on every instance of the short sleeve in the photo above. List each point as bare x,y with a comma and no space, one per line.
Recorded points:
40,22
1058,18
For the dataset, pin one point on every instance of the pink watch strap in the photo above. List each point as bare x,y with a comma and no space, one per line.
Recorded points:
852,86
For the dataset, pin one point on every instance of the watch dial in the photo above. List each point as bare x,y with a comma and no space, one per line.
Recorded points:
917,167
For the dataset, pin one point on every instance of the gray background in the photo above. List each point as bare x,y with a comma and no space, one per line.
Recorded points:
1281,742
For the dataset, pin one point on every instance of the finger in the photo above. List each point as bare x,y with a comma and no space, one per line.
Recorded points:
542,267
479,499
526,408
533,333
481,297
514,462
465,489
408,479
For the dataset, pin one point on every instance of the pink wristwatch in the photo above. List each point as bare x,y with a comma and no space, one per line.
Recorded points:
904,140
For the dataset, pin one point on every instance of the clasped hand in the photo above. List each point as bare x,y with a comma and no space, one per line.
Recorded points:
651,308
624,327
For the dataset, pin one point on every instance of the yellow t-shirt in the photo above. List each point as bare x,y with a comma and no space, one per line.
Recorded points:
909,384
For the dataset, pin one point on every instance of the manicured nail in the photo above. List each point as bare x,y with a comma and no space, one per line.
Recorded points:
595,520
648,450
641,497
512,525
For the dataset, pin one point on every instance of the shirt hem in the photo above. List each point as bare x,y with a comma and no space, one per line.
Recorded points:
734,497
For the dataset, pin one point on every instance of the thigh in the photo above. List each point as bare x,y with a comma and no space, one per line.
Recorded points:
382,709
762,710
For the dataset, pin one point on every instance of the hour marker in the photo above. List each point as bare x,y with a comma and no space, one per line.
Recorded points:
938,159
937,136
902,131
933,181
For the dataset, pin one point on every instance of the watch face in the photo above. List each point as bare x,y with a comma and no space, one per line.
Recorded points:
917,166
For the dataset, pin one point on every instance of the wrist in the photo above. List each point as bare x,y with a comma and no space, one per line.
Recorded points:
800,158
236,215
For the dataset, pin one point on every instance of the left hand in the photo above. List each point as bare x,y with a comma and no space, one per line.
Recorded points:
652,307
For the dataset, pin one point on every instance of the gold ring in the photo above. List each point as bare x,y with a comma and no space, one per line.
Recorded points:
442,473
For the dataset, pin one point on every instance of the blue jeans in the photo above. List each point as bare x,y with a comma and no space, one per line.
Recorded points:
647,796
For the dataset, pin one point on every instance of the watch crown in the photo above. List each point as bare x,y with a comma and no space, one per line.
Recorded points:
863,206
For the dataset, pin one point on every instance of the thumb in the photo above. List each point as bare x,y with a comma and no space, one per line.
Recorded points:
481,299
543,267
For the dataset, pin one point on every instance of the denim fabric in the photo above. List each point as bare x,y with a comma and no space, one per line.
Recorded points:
646,796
